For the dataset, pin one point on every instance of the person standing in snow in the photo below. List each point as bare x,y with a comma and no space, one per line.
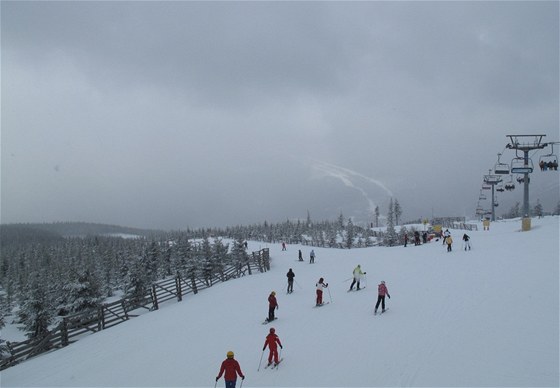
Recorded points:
449,242
467,239
272,305
231,368
381,292
312,257
357,277
272,341
320,286
291,275
446,234
405,239
283,246
300,255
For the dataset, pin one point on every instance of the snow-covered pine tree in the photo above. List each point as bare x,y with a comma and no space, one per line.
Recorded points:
82,293
239,253
350,234
377,216
398,211
538,209
391,237
36,308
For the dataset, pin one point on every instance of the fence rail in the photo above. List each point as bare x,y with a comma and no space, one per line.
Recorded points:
75,326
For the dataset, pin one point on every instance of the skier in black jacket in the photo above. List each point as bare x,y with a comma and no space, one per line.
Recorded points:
291,275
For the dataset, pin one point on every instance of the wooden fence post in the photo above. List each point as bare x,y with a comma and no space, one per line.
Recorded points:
154,297
64,332
179,288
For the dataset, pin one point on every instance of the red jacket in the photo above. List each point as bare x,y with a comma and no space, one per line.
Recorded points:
382,290
272,301
271,340
232,369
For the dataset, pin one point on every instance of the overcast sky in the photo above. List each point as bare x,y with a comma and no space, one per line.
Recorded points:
190,114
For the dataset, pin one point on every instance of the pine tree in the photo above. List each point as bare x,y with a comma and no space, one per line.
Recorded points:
538,210
350,234
36,308
377,216
391,237
398,211
83,293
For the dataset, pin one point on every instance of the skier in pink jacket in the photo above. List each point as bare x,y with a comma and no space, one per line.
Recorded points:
381,292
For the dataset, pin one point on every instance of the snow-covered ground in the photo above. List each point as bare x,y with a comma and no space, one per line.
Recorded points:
486,317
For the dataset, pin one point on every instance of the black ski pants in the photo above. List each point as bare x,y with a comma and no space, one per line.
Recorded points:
380,299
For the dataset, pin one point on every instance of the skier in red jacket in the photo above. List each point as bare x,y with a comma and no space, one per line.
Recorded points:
271,341
272,305
231,368
381,292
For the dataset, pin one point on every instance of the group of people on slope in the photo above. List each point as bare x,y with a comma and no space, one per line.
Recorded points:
447,239
311,256
230,368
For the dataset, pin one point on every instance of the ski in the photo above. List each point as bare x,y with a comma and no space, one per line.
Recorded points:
382,311
266,321
360,289
275,366
321,305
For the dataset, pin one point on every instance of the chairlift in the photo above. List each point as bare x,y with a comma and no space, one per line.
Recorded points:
518,165
482,197
500,187
501,168
509,186
549,162
486,187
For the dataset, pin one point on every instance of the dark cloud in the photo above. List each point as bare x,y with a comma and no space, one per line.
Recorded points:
182,114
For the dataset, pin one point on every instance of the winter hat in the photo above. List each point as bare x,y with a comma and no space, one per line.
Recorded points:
273,293
320,280
383,282
272,330
230,354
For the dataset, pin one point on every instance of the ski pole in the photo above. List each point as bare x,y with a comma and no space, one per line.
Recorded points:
329,290
259,368
344,281
297,284
240,385
216,383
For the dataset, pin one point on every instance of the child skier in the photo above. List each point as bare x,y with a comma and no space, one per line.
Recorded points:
272,341
381,292
231,368
272,305
320,286
357,277
449,241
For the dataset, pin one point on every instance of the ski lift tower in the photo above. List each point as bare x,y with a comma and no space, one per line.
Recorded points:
524,143
492,180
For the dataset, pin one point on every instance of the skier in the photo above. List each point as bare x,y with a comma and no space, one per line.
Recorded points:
291,275
467,239
381,292
231,368
449,241
357,277
283,246
312,257
271,341
272,305
320,286
446,234
300,256
405,239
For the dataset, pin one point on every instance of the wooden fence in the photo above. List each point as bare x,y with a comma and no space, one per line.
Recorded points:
73,327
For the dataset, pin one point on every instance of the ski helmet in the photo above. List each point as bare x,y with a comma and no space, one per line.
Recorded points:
383,282
272,330
321,280
273,293
230,354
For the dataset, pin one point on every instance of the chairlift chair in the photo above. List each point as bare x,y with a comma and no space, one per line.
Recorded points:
549,162
518,165
501,168
509,186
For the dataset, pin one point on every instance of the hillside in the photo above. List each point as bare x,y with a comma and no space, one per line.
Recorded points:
485,317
